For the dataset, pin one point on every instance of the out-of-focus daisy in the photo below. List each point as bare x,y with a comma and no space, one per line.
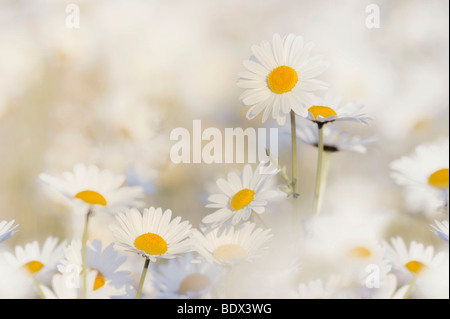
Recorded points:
415,260
318,289
14,283
328,109
89,186
7,230
37,262
185,277
106,263
241,196
67,286
281,77
425,172
152,234
441,229
389,289
334,140
233,245
350,239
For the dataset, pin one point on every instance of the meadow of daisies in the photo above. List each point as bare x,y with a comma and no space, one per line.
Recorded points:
353,205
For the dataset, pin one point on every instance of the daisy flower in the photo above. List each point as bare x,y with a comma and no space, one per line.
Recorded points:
65,286
425,173
441,229
241,196
232,246
6,230
185,277
328,109
334,140
88,186
152,234
35,261
106,263
281,77
14,283
318,289
415,260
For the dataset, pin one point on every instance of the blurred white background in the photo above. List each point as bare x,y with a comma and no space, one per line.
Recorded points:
109,93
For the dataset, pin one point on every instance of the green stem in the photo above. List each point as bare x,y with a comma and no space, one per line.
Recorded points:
294,155
319,170
141,281
410,288
84,252
323,182
258,219
38,288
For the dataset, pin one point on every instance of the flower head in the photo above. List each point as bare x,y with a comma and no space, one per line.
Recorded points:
328,109
280,77
88,186
241,196
232,246
152,234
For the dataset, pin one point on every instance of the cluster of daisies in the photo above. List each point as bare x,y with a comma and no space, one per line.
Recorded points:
236,251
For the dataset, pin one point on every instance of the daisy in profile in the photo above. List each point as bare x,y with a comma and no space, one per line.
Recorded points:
424,174
105,262
7,230
241,196
441,229
36,262
67,286
185,277
281,77
328,109
152,234
334,139
232,246
414,260
90,187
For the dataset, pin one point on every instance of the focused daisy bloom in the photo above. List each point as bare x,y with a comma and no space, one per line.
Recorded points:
280,77
441,229
105,262
334,140
35,261
425,173
88,186
328,109
7,229
67,286
415,260
242,195
152,234
184,277
232,246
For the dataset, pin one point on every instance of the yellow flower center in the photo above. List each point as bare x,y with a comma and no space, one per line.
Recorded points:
439,178
99,281
33,266
323,111
282,79
194,282
360,252
152,244
229,252
415,266
241,199
91,197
